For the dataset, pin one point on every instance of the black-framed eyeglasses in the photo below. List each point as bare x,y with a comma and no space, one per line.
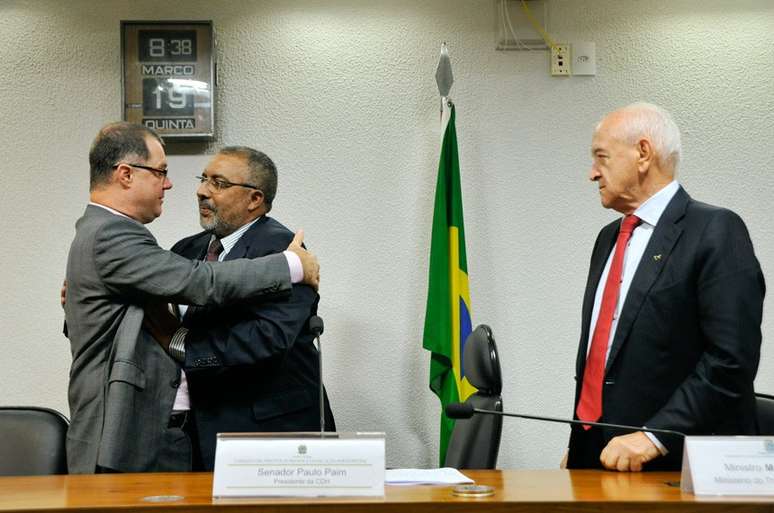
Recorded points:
219,184
162,172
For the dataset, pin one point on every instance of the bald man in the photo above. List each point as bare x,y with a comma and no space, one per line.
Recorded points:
670,335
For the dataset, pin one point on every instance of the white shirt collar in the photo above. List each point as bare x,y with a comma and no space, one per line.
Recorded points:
650,211
230,240
112,211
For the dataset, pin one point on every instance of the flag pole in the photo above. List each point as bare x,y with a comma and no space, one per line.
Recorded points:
444,77
448,312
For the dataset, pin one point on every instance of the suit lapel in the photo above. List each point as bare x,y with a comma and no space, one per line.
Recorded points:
198,248
196,251
240,249
598,261
248,239
654,259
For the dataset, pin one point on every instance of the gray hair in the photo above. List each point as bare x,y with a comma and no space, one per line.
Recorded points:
261,169
655,123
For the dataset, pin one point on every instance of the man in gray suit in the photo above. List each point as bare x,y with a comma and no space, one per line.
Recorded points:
122,382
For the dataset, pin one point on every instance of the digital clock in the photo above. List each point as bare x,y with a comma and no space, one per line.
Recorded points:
168,77
167,45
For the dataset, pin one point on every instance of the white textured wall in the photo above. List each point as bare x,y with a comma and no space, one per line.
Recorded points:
342,95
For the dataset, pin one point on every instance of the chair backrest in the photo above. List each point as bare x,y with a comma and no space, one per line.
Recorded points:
475,442
32,441
764,405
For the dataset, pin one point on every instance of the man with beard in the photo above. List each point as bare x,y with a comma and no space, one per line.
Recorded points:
248,366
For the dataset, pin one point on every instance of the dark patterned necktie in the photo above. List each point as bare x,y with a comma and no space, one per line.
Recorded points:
214,251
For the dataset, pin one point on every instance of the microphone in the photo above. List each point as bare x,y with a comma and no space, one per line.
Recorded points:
465,411
316,327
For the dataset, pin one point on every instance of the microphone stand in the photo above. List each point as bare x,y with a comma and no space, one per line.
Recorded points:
322,390
316,327
580,422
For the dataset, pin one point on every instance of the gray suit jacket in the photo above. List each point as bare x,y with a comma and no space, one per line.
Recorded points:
122,383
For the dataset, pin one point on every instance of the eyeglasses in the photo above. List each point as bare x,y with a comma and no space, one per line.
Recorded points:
154,170
220,184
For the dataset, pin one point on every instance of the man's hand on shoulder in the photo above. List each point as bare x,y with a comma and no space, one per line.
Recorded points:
308,260
627,453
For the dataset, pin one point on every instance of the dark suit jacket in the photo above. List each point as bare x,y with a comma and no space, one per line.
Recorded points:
252,366
687,345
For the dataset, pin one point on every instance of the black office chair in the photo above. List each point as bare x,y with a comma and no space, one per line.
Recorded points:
32,441
765,405
475,442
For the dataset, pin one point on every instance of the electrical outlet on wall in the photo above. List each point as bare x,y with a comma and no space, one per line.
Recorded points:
560,60
584,58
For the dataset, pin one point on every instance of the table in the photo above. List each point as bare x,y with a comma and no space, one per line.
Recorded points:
516,490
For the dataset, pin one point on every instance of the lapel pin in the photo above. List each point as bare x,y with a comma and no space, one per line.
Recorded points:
657,257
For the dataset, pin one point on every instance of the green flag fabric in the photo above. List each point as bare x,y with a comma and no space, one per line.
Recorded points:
447,316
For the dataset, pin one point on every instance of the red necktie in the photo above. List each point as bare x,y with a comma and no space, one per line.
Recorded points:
590,404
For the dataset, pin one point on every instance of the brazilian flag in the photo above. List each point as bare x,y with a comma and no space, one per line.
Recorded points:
447,317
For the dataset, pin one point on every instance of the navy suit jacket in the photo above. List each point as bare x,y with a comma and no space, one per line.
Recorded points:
252,366
686,349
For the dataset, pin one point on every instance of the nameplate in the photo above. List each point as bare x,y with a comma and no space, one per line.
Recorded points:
728,465
299,465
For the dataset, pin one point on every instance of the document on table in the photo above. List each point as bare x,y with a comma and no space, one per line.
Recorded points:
408,476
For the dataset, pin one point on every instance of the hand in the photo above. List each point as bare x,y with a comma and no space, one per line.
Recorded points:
308,261
63,293
627,453
160,322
